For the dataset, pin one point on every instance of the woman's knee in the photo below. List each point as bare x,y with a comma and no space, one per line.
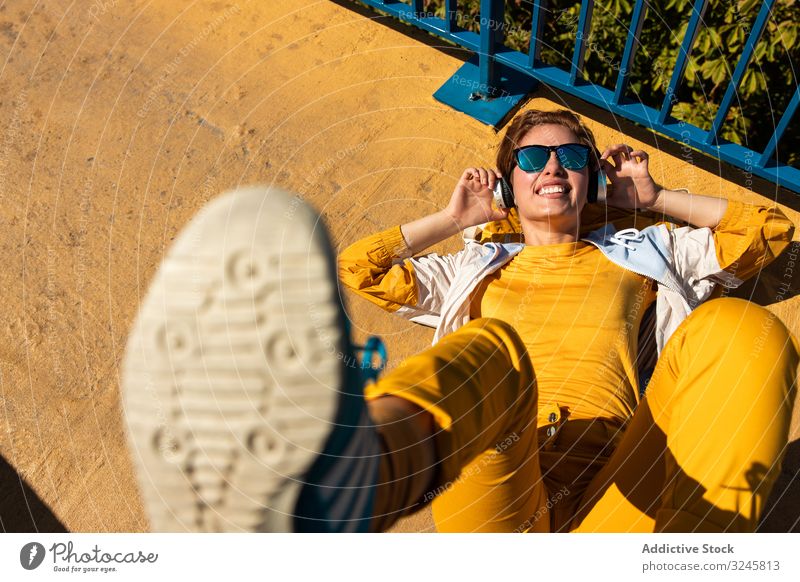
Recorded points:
731,359
731,319
493,325
742,339
731,310
506,341
502,334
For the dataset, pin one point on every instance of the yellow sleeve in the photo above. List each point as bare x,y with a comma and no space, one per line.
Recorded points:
749,237
372,267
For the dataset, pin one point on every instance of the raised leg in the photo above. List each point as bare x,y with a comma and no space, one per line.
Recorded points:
705,445
478,385
246,412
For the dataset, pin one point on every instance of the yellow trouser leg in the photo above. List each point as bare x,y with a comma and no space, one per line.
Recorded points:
705,445
479,386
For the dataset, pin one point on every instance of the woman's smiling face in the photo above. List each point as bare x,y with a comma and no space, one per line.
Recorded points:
554,194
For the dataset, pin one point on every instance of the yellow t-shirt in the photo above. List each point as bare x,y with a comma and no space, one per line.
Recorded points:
579,314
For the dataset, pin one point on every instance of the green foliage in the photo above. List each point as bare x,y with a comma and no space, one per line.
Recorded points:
763,95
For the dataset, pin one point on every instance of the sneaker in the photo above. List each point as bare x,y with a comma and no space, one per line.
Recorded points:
244,404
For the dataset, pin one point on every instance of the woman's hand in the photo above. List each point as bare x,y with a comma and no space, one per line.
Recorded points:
632,186
471,202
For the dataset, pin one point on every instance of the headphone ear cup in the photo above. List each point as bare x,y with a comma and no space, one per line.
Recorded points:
511,202
602,187
503,194
591,190
596,192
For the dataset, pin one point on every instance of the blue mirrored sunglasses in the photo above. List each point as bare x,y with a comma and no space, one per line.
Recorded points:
533,158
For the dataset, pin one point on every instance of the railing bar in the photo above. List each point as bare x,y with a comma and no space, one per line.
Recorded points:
417,6
632,42
491,14
791,109
438,26
537,25
741,67
698,10
451,8
584,22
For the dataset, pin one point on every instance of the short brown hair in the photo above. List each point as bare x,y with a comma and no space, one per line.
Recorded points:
522,124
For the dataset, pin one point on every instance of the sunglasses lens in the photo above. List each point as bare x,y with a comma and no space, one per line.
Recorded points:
573,156
532,158
570,156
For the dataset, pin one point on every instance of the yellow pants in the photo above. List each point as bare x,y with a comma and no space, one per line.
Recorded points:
700,453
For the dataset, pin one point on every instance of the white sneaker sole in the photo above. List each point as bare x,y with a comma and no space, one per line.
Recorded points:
232,367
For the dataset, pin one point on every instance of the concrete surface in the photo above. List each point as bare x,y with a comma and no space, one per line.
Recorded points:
119,120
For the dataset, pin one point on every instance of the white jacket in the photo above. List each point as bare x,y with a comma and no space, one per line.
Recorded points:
682,261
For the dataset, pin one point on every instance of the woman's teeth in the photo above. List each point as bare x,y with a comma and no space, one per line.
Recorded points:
551,191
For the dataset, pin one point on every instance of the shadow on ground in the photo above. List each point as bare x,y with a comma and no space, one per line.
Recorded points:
21,509
780,513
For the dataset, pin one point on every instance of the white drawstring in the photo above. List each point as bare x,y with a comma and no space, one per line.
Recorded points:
627,234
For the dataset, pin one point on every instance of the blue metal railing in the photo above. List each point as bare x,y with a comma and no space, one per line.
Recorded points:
497,78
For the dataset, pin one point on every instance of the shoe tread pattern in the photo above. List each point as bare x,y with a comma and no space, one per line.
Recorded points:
230,366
